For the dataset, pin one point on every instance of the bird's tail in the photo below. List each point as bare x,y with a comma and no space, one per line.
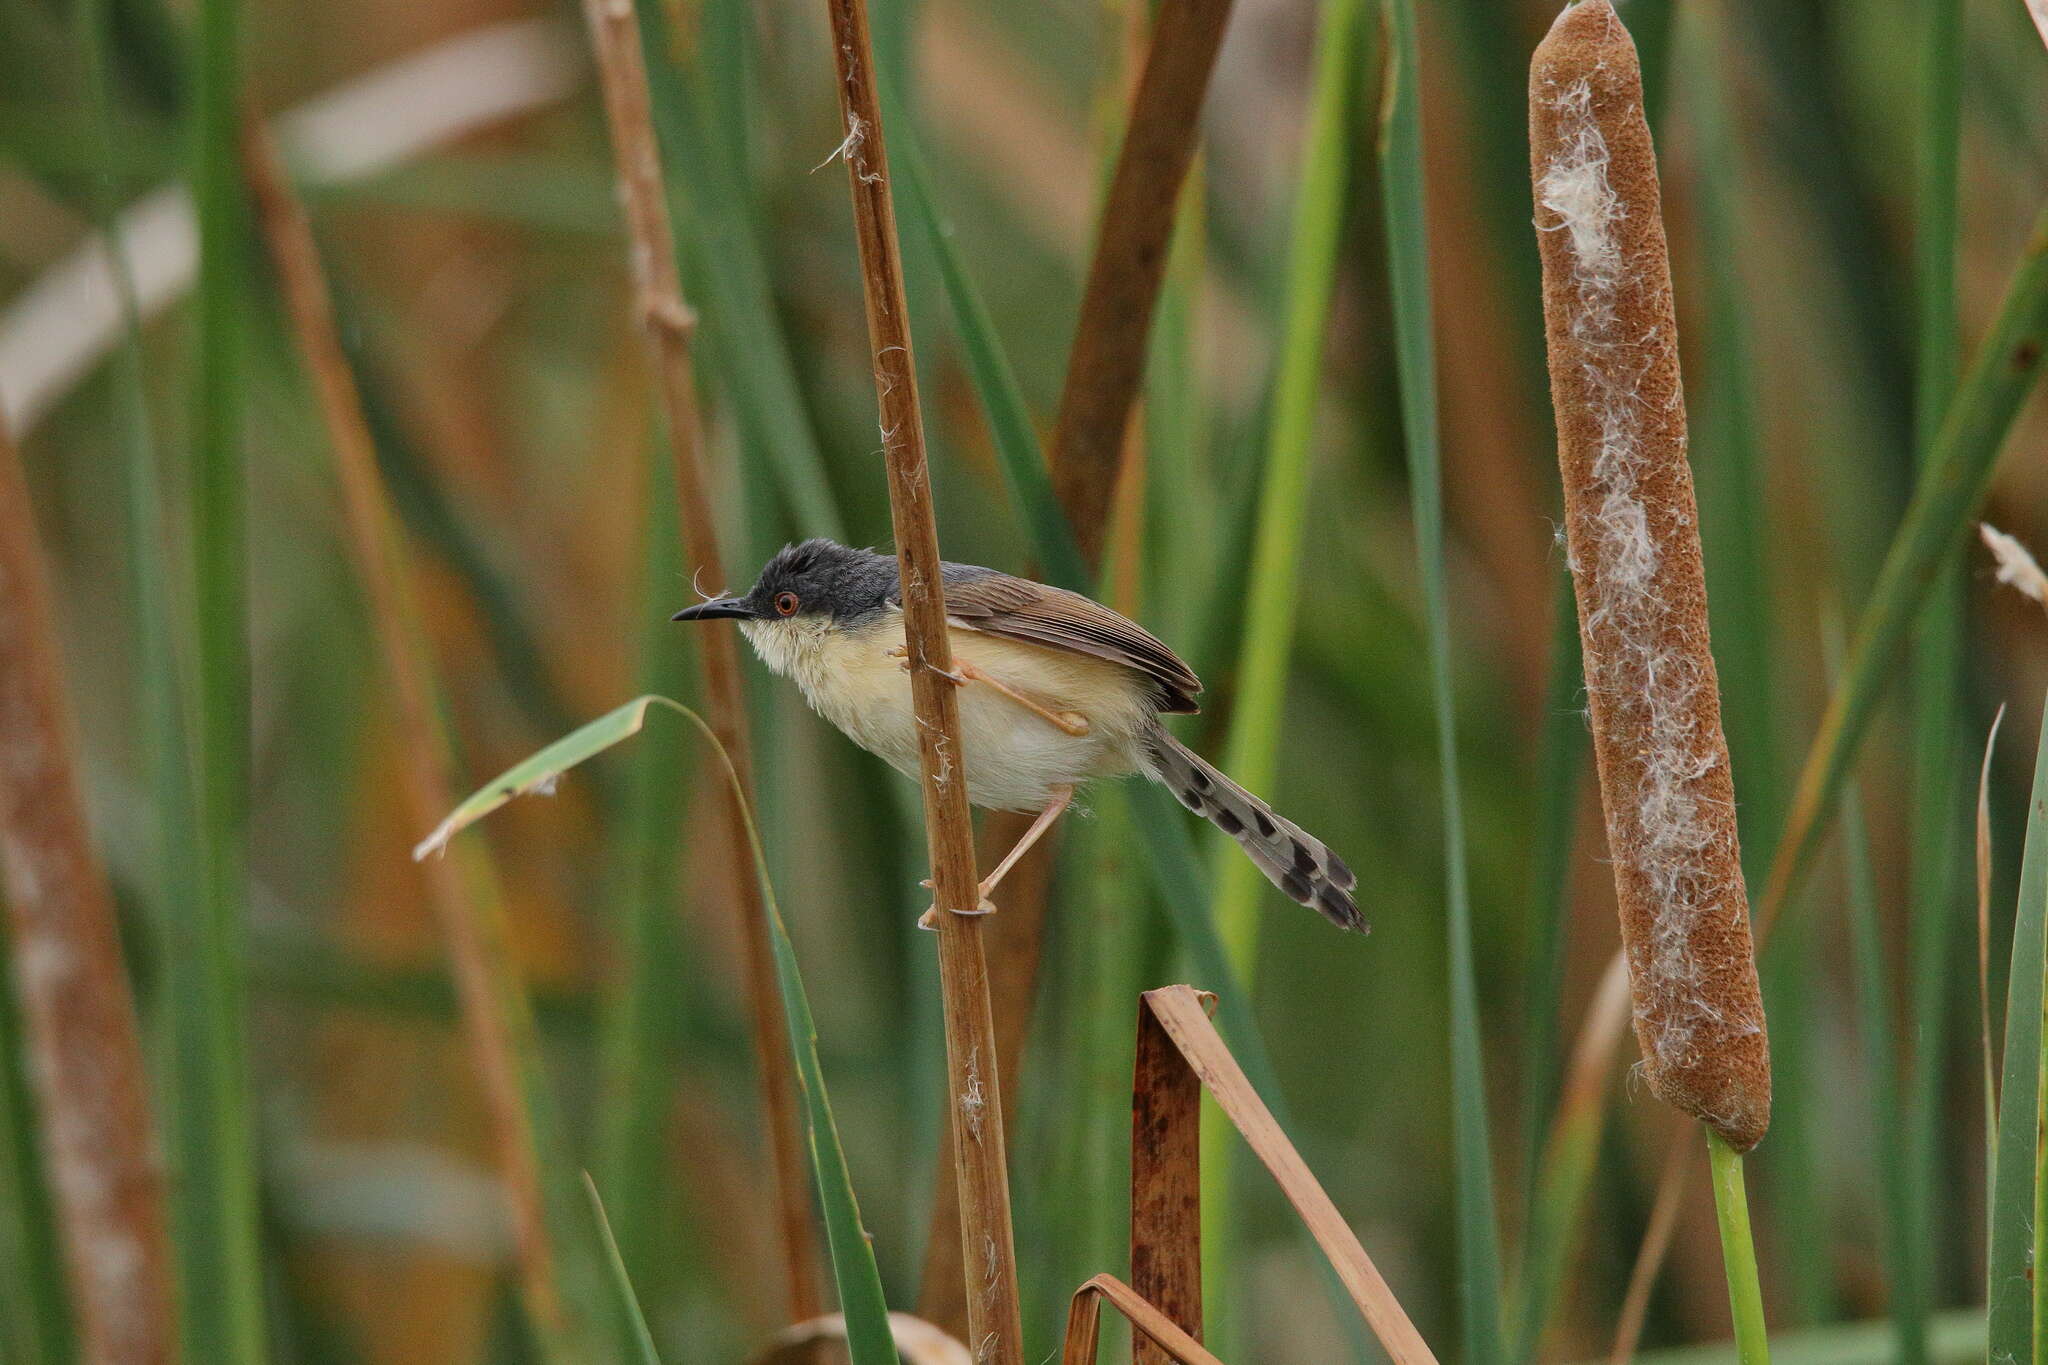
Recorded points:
1293,859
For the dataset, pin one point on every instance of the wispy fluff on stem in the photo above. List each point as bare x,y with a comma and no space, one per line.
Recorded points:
1633,538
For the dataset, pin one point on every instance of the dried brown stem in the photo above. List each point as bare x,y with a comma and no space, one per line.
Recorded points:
1166,1181
1642,1277
976,1111
493,1015
79,1034
622,71
1107,362
1184,1019
1632,527
1158,1337
1013,943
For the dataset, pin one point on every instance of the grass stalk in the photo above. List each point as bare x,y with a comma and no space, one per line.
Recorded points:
1252,751
555,1264
1252,755
1937,815
1407,234
2010,1199
1672,1185
1570,1155
1560,760
866,1317
974,1090
1738,1252
1955,478
213,1121
1896,1196
71,985
636,1041
615,34
1986,1052
626,1302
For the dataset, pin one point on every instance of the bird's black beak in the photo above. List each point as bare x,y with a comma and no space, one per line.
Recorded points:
717,607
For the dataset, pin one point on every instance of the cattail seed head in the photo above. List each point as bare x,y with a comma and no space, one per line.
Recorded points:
1633,545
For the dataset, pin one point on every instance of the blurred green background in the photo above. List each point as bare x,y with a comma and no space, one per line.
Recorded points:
455,162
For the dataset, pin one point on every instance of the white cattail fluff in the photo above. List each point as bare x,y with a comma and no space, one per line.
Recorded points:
2017,567
1633,545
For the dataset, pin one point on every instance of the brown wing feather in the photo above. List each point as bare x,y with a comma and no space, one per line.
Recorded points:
1018,609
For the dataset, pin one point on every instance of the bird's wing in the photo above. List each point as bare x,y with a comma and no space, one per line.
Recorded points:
1018,609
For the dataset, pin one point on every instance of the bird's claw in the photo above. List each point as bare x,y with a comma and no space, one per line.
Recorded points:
983,906
930,918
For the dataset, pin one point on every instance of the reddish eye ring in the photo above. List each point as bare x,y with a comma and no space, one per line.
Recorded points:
786,603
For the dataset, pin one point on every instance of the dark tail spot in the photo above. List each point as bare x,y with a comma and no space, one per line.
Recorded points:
1304,861
1340,909
1228,822
1340,871
1266,829
1297,888
1199,778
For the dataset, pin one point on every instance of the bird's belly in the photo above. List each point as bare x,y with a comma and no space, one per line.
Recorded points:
1013,757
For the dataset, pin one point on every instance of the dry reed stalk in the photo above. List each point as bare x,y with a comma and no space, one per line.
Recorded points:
79,1034
669,323
1107,361
1183,1018
1013,942
1633,536
995,1332
477,949
1663,1225
1157,1337
1166,1181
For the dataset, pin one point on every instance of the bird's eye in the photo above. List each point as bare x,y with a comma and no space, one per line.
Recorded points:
786,603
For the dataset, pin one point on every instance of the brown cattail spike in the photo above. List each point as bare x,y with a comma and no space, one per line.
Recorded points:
1634,552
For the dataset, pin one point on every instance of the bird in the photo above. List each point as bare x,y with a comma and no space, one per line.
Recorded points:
1055,690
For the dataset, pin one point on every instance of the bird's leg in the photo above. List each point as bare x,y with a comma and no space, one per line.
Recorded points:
1061,798
1071,722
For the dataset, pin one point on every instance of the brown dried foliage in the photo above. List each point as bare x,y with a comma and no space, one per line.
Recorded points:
80,1042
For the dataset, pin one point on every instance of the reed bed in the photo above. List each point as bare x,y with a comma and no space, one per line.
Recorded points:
360,472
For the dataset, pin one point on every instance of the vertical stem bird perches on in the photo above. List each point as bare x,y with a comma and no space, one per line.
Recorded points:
994,1330
1634,552
622,71
85,1059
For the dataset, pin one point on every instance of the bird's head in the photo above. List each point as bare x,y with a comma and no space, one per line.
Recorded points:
815,584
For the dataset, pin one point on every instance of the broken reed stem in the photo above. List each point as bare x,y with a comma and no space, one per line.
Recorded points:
84,1054
1107,362
1632,528
1155,1335
476,950
994,1329
622,73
